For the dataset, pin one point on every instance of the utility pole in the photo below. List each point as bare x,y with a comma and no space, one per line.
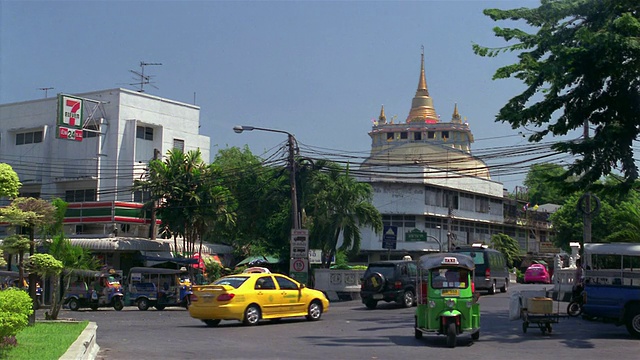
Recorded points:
292,179
152,226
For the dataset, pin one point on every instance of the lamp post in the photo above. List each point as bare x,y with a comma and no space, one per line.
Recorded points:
295,223
437,240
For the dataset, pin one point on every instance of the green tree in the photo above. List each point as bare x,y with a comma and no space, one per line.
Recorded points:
9,181
546,184
626,224
47,266
190,198
71,257
3,262
17,245
261,194
338,205
507,245
581,67
31,214
15,309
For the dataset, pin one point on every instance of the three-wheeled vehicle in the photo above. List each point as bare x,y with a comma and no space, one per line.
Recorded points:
447,301
93,289
158,287
12,279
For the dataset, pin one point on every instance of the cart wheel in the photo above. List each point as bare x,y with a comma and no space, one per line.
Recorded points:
525,325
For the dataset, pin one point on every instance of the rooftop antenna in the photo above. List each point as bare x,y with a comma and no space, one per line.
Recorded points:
143,79
46,90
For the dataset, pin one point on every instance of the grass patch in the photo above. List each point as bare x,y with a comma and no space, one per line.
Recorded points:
44,340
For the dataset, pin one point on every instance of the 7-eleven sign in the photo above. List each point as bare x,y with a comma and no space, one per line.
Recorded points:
70,111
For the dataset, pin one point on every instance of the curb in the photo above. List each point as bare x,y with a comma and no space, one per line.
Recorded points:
85,347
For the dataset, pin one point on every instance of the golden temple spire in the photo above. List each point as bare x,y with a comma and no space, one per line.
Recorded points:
456,118
422,82
382,119
422,109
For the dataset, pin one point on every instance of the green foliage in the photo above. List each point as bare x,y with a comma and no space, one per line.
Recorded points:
9,181
582,66
546,184
507,245
45,340
192,202
15,309
213,270
44,265
262,197
336,204
626,224
342,261
3,262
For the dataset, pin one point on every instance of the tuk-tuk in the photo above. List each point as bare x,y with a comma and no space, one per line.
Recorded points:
93,289
447,302
12,279
158,287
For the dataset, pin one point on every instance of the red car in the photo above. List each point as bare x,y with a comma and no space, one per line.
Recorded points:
537,273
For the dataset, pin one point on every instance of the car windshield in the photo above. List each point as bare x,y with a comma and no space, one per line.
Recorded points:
234,281
385,270
448,278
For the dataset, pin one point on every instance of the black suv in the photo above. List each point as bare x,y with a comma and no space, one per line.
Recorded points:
393,280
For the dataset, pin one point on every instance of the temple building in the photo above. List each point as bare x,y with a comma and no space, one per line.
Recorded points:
432,192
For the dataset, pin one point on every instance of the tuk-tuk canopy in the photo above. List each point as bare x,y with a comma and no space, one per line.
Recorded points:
432,261
160,271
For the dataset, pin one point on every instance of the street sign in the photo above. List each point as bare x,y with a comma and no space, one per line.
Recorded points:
299,243
389,237
299,265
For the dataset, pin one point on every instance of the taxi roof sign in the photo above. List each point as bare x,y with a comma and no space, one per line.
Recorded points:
450,261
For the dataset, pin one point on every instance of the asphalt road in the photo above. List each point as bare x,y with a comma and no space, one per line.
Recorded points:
349,331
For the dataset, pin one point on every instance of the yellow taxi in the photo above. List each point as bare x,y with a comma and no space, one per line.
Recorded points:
250,297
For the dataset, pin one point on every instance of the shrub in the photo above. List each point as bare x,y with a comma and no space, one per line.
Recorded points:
15,308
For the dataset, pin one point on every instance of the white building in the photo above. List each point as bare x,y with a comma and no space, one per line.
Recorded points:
88,149
431,190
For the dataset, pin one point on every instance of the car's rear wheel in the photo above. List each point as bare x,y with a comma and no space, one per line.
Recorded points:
492,289
74,304
475,335
143,304
633,322
371,304
251,315
118,304
407,298
505,287
211,322
315,311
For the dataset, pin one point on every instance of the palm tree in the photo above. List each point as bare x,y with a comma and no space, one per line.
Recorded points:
340,205
628,218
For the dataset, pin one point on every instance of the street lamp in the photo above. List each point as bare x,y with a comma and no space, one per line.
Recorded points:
292,176
437,240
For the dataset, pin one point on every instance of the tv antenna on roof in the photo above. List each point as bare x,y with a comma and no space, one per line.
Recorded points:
143,79
46,90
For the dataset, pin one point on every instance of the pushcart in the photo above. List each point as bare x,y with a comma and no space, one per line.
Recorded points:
536,310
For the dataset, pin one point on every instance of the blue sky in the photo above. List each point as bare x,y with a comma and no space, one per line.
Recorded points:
318,69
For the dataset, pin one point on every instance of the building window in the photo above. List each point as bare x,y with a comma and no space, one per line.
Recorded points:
80,195
417,135
404,135
389,136
467,202
432,196
144,132
141,196
31,137
482,204
450,199
90,134
445,135
431,135
403,222
178,144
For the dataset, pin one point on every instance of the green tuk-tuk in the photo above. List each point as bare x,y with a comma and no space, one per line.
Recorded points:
447,302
